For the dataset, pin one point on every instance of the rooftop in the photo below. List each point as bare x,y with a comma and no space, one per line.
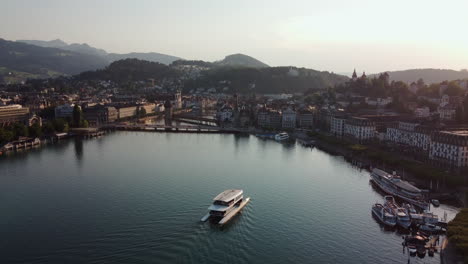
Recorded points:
228,195
456,132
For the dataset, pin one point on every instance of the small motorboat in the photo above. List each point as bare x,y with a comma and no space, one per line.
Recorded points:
430,228
435,202
384,214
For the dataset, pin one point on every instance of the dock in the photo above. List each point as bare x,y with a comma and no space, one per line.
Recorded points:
234,212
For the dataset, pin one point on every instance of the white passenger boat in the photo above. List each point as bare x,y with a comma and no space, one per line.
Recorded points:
402,216
225,206
281,136
394,185
384,214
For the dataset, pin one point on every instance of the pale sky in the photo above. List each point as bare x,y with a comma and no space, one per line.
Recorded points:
333,35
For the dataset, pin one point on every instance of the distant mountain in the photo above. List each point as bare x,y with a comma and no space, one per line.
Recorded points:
39,62
241,60
57,43
110,57
149,56
428,75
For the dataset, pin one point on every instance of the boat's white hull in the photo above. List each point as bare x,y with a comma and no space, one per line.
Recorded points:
231,214
390,191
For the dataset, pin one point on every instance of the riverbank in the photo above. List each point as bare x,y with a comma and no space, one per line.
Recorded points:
439,182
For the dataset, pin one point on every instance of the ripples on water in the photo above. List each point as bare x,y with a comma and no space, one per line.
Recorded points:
133,197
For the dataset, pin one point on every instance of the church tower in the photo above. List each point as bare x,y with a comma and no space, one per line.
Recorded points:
354,78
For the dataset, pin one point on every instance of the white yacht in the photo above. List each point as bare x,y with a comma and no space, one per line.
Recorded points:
384,214
281,136
225,206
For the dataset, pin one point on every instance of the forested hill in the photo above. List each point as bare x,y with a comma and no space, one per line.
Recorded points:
428,75
40,62
236,79
265,80
240,60
130,70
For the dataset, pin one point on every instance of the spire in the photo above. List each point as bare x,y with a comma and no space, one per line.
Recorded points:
354,74
364,75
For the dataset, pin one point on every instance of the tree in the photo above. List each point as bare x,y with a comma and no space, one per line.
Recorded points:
84,123
459,115
48,128
420,83
60,125
77,116
35,130
19,130
453,89
5,135
142,111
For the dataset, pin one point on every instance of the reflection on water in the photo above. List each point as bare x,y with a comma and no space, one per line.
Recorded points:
140,196
78,149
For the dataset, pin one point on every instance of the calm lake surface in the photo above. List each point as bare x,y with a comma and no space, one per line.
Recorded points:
136,197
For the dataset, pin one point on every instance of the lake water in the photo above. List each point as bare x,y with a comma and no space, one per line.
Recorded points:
136,197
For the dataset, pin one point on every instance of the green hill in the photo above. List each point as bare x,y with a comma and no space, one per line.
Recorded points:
240,60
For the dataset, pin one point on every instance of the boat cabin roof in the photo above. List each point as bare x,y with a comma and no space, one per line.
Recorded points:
228,195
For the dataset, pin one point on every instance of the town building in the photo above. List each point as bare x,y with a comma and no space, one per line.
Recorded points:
126,111
411,134
288,120
269,119
447,112
359,129
422,112
11,114
99,115
306,119
450,148
337,125
225,114
64,111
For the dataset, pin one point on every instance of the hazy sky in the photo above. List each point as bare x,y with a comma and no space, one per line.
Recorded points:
334,35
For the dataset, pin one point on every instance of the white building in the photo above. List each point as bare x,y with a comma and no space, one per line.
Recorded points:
379,101
422,112
288,119
64,111
361,129
447,112
450,148
225,114
337,125
410,134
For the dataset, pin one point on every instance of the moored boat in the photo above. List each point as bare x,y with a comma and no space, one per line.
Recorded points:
435,202
225,206
430,228
281,136
402,216
384,214
394,185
